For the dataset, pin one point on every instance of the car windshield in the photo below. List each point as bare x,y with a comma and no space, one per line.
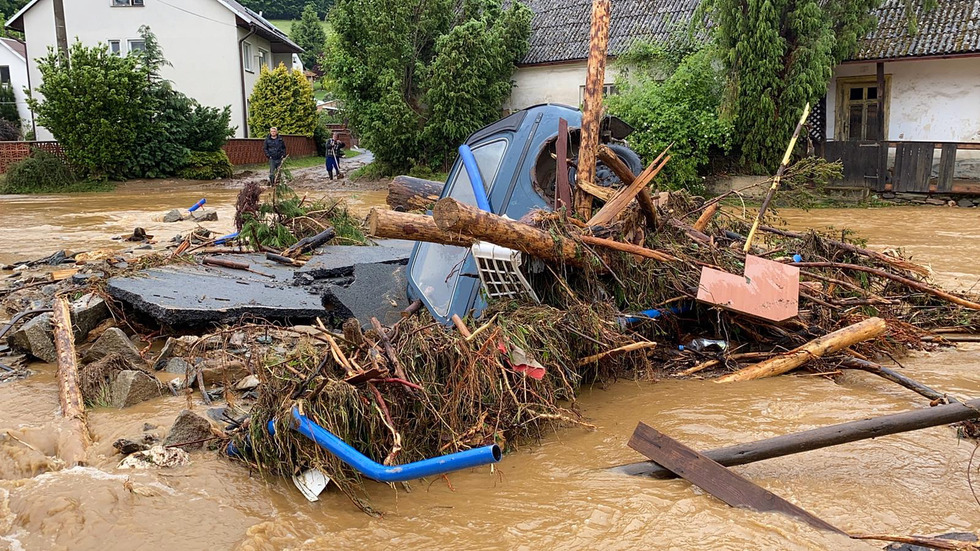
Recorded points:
436,268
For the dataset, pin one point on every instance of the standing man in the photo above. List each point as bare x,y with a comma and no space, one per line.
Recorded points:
275,150
334,153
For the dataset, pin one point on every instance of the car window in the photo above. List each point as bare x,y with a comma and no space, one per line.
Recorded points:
436,268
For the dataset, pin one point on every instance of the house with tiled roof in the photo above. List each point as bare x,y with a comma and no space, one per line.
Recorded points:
216,48
928,61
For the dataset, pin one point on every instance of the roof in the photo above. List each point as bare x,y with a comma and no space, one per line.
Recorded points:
279,42
951,28
16,46
560,29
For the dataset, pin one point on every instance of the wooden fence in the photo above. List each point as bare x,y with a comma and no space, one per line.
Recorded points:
869,164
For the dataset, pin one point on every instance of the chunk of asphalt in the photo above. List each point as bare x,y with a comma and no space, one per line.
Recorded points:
378,291
339,261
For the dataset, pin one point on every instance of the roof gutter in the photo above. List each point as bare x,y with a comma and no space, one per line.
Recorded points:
241,67
911,58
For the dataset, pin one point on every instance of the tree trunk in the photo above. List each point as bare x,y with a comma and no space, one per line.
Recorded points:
592,104
72,405
389,224
827,344
406,193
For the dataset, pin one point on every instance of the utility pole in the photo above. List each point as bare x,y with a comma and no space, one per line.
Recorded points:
59,27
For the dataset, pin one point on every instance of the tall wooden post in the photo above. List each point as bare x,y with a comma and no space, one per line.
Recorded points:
592,104
60,29
882,139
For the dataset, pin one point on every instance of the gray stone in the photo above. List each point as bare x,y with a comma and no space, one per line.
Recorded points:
179,346
87,313
173,216
178,366
114,341
188,427
36,337
203,215
133,387
378,291
339,261
965,203
126,446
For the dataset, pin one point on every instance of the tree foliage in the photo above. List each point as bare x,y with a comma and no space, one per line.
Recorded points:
288,9
8,105
780,54
282,98
416,79
308,33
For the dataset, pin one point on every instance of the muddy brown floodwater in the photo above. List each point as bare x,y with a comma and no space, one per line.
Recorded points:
551,494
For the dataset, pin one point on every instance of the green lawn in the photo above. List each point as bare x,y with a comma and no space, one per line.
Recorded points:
286,25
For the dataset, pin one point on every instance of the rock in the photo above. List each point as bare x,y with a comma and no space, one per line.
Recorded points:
179,366
190,430
95,377
248,383
965,203
113,341
237,340
86,278
220,371
934,201
126,446
133,387
173,216
174,347
203,215
156,457
36,338
87,313
148,426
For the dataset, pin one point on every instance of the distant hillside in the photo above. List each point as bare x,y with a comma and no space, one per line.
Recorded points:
277,9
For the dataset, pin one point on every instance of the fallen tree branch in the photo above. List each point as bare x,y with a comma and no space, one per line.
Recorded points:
897,262
628,348
896,377
72,404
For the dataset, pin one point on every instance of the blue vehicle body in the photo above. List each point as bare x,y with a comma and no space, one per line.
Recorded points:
445,277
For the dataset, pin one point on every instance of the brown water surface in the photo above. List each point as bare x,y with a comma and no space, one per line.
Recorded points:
553,494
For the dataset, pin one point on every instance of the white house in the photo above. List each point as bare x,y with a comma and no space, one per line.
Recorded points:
928,60
13,73
216,47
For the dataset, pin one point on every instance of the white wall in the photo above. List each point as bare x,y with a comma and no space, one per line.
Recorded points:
550,84
18,80
931,100
199,37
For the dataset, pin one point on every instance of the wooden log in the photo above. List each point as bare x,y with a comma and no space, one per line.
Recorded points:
616,351
615,206
694,234
414,227
706,217
592,104
627,248
283,259
822,437
407,193
625,175
72,404
472,223
896,377
905,281
308,244
232,265
827,344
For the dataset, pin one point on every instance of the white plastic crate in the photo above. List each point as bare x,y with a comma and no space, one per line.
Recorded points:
500,271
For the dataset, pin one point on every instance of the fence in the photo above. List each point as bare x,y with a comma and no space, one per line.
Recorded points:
909,166
240,151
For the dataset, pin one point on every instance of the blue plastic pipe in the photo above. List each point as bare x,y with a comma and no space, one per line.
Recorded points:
229,237
653,314
197,205
397,473
476,179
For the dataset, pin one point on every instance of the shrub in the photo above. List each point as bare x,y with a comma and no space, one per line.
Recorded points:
206,165
282,98
9,132
42,172
8,105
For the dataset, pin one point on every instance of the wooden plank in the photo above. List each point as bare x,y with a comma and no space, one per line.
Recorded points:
947,166
923,167
880,84
715,479
897,172
563,191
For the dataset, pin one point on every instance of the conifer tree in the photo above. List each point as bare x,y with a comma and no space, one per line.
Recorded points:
282,98
308,33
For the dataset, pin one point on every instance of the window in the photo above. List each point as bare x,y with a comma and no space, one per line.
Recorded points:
607,90
263,58
247,56
127,3
115,47
136,45
5,75
857,109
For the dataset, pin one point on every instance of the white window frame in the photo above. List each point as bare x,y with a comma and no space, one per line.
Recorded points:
608,89
130,41
126,3
247,57
118,45
263,58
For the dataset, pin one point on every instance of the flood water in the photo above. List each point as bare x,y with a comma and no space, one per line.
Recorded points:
551,494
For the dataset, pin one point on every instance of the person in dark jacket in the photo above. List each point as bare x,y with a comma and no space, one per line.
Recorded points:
275,150
335,150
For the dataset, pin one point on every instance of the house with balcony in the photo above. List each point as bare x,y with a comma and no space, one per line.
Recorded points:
215,47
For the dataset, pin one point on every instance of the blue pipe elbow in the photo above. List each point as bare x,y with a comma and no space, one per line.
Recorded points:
229,237
476,179
197,205
397,473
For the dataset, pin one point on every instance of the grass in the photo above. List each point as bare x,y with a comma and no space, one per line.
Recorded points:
286,25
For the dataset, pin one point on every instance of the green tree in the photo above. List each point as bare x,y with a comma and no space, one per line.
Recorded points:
8,105
780,54
287,9
282,98
417,78
308,33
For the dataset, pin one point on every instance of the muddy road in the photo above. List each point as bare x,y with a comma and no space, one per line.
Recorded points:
550,494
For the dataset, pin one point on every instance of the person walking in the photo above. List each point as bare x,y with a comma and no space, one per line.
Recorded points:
335,150
275,151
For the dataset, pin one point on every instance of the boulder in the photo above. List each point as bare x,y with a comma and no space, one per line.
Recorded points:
190,430
173,216
36,337
205,215
179,366
156,457
965,203
126,446
113,341
96,376
174,347
87,313
222,371
133,387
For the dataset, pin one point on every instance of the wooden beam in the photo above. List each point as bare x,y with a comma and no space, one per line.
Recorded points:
715,479
563,191
626,176
592,104
627,248
615,206
823,437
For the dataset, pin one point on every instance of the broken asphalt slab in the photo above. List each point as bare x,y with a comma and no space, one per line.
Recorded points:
335,262
378,291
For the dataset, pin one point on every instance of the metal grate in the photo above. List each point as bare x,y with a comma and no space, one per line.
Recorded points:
817,122
500,272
